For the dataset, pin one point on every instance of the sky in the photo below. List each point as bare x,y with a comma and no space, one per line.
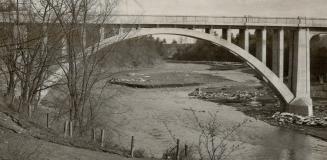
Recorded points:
266,8
271,8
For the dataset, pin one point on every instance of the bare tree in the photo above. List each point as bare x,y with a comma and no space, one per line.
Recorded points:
9,46
26,54
82,70
30,53
212,142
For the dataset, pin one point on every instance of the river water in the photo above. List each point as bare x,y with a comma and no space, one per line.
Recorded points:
156,116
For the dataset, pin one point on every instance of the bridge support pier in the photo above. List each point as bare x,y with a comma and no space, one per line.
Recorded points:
64,48
102,33
261,45
207,30
278,53
290,44
244,39
227,34
20,33
302,103
83,36
45,38
120,30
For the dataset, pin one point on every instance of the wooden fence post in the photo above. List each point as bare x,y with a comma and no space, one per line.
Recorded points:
29,111
47,120
66,129
102,137
71,128
132,147
93,135
70,114
177,150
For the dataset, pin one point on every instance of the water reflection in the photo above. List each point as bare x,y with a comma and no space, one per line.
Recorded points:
285,144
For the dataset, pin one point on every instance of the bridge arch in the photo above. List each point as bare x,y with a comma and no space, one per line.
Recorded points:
276,83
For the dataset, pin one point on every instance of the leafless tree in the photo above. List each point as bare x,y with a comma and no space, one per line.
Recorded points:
25,52
212,142
51,34
9,47
81,69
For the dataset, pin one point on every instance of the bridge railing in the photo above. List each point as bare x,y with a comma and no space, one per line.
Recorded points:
272,21
178,20
316,22
211,20
190,20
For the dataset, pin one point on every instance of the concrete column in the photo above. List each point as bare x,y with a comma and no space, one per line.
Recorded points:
20,33
45,39
302,103
102,33
16,33
120,30
64,49
227,34
207,30
213,32
244,39
290,58
83,36
261,45
138,26
278,53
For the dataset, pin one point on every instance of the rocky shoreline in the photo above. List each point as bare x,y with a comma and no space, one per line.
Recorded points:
284,118
261,103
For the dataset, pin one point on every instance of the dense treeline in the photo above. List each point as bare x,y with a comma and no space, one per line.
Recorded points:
319,61
138,52
206,51
319,58
203,51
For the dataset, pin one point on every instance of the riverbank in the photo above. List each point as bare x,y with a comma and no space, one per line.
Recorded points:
155,116
256,100
265,105
23,139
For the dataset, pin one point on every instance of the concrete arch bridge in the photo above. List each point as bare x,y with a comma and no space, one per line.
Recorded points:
299,31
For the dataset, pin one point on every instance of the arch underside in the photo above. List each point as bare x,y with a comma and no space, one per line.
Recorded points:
275,82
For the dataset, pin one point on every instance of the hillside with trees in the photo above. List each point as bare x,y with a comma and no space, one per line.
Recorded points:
203,51
133,53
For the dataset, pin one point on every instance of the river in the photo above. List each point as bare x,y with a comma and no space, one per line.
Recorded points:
155,116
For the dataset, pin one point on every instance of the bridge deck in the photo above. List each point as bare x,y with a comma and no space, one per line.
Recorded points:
213,21
218,21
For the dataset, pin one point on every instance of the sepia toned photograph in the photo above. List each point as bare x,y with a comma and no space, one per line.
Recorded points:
163,80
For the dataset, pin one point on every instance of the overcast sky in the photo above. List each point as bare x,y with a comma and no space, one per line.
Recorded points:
293,8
